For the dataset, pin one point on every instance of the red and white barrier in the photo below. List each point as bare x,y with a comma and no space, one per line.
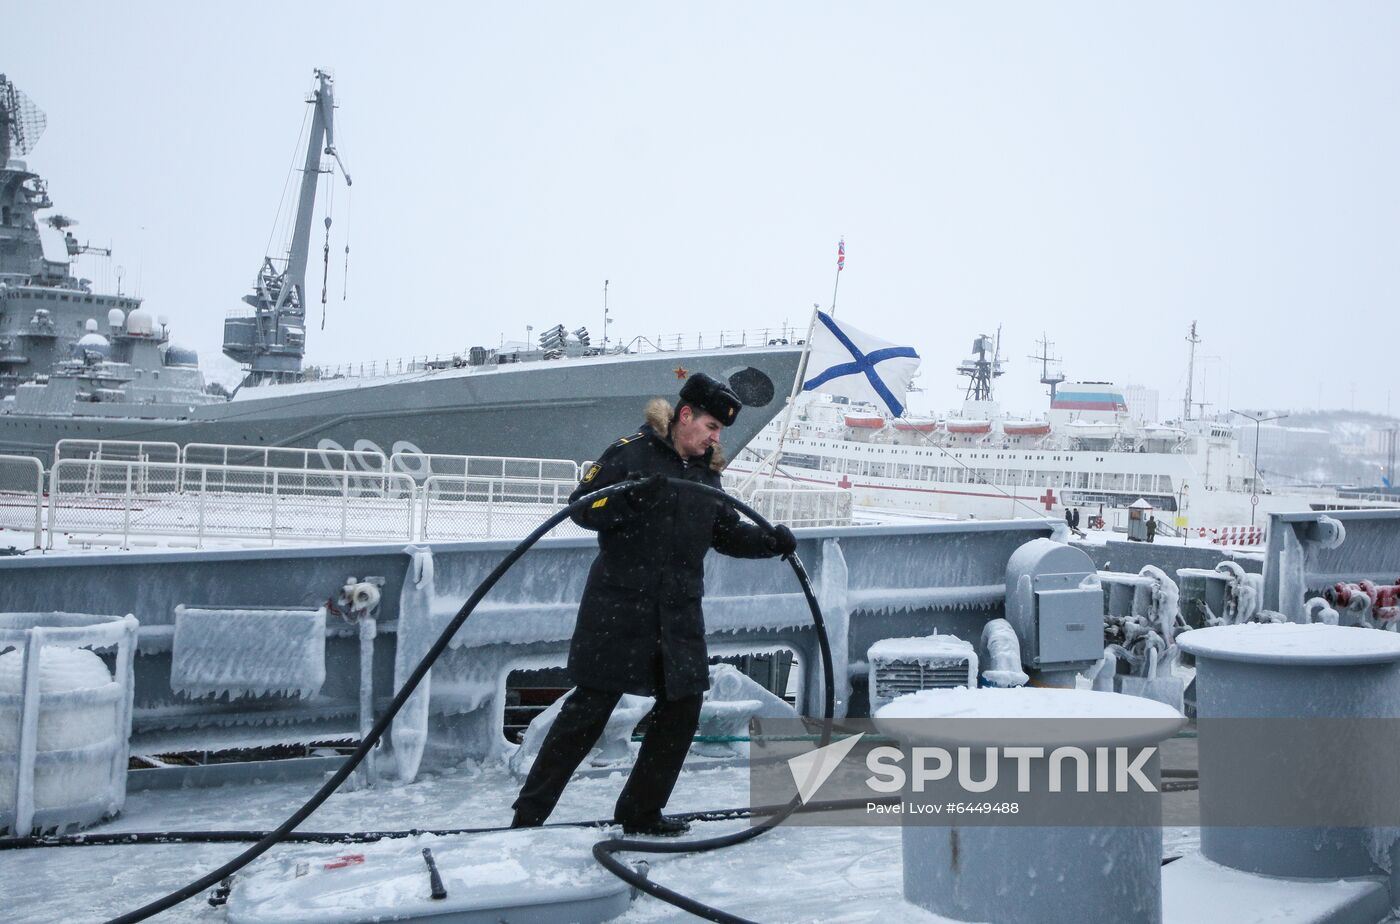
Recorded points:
1232,535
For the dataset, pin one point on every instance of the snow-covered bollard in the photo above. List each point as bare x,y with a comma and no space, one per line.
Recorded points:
1023,743
1293,722
65,719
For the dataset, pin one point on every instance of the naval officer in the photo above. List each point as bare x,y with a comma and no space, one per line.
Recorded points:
640,629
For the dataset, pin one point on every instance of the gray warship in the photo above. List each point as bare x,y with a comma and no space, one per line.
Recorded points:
80,364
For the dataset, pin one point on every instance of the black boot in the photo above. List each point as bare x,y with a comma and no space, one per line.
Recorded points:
522,821
656,826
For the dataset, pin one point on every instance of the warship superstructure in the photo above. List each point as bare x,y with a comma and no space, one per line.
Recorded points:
81,364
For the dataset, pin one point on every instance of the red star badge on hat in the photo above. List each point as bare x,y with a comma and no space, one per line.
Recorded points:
681,372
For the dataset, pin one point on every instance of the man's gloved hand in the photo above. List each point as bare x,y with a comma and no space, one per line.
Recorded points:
781,540
648,490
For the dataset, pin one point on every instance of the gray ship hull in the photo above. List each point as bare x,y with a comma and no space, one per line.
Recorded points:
564,409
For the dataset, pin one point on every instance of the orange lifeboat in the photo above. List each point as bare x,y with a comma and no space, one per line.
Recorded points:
865,423
916,426
969,426
1026,428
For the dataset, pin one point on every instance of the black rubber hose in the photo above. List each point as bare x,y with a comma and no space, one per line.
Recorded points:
439,646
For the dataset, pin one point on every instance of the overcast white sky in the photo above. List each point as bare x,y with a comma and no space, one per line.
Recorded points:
1104,172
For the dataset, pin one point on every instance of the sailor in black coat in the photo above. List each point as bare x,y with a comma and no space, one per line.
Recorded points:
640,628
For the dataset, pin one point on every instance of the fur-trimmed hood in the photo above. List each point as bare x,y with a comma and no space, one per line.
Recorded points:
660,413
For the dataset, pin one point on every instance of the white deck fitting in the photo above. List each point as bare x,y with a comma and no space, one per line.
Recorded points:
530,877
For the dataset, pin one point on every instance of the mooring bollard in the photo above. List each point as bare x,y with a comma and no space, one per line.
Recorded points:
1276,704
987,867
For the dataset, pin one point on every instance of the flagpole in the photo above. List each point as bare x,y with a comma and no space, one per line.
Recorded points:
797,381
840,265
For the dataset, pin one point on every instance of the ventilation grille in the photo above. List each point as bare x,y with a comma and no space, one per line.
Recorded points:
896,678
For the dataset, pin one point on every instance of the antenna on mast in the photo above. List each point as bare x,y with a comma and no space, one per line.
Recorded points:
1045,359
606,320
21,122
981,372
1190,374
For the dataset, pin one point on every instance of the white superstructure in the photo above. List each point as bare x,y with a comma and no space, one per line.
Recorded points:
1087,452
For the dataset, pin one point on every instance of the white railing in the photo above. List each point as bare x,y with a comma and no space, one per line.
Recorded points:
804,506
22,495
782,500
129,450
424,465
455,507
298,457
782,335
126,499
322,495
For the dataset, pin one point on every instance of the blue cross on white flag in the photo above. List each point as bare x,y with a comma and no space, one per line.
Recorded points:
853,364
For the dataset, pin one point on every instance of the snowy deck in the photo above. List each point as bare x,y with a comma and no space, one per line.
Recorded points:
793,874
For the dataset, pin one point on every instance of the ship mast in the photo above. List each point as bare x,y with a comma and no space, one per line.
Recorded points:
1045,359
981,372
272,342
1190,372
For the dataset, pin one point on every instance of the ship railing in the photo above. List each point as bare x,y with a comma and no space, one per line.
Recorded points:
378,368
782,335
128,499
22,495
725,339
782,500
424,465
1390,498
290,457
473,507
804,506
116,450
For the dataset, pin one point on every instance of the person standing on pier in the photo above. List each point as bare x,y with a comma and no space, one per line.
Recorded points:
640,628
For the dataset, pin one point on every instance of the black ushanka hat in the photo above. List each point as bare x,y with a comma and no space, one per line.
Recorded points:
712,396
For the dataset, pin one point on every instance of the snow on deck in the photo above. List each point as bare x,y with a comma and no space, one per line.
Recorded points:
798,874
849,875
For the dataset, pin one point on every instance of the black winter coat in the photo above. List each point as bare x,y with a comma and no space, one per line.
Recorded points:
640,626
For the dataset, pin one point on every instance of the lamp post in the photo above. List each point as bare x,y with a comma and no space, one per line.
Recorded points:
1254,498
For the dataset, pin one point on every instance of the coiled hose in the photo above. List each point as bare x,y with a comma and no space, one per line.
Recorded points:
603,851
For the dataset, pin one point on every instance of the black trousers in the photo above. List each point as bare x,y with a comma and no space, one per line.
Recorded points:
579,723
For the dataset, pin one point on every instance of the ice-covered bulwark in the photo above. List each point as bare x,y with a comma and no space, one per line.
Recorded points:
65,721
1023,874
872,583
248,652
